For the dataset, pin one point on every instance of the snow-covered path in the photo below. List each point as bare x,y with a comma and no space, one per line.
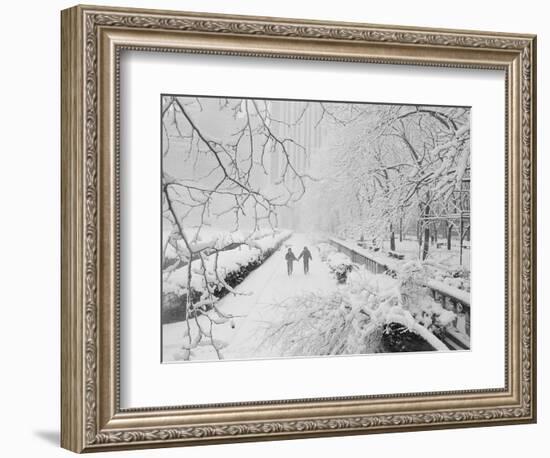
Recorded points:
262,290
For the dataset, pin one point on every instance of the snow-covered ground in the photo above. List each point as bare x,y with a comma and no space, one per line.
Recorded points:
449,259
276,315
256,307
443,264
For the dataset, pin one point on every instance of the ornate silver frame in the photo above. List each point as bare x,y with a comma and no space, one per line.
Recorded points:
92,39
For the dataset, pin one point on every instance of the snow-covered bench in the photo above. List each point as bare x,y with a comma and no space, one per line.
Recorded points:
396,255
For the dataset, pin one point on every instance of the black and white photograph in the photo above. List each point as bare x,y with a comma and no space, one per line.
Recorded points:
302,228
230,227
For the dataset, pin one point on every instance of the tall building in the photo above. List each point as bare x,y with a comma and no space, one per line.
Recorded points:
299,125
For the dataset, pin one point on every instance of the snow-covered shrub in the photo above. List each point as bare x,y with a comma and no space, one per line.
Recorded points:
211,239
418,300
315,324
214,275
340,265
325,249
354,318
236,276
458,277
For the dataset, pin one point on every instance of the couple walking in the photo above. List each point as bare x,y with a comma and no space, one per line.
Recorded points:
290,258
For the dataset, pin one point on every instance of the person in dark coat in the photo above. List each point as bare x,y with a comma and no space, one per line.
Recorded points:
290,258
306,255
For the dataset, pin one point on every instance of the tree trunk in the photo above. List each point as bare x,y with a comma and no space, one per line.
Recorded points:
461,238
426,245
401,229
449,234
392,238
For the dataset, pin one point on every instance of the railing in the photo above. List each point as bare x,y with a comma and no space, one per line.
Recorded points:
457,336
458,302
361,256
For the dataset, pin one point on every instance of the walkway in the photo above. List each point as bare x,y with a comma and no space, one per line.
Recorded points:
264,288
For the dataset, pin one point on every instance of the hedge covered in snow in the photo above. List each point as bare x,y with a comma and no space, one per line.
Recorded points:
458,278
216,273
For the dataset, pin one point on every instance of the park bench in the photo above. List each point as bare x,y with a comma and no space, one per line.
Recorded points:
396,255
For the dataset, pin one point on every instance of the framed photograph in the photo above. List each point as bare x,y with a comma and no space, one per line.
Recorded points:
277,228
